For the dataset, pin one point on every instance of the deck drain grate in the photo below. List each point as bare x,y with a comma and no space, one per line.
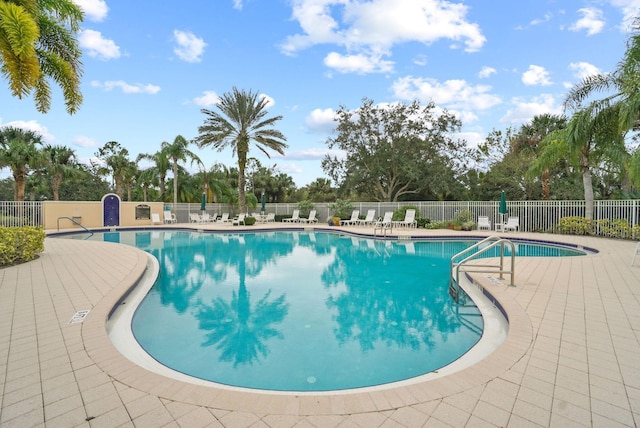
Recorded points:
78,317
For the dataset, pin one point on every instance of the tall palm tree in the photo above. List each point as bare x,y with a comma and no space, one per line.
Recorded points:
241,119
161,166
19,151
176,152
60,162
116,159
147,178
38,44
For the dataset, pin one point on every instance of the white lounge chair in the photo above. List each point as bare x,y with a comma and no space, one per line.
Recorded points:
169,217
409,219
271,218
513,223
369,219
312,218
385,224
195,218
295,218
155,218
355,217
240,219
224,218
484,223
205,218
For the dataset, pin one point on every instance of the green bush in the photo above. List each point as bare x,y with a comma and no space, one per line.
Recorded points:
305,207
423,222
20,244
341,208
280,217
619,228
249,221
438,225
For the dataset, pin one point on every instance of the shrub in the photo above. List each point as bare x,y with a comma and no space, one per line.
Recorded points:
279,217
575,226
20,244
334,221
341,208
422,222
249,221
305,207
438,225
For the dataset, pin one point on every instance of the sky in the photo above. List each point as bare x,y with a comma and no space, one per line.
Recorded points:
150,67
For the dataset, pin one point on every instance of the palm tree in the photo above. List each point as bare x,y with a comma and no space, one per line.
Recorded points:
19,152
240,120
38,44
116,159
161,167
591,138
175,152
60,162
147,178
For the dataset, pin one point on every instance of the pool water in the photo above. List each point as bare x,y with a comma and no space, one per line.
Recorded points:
302,311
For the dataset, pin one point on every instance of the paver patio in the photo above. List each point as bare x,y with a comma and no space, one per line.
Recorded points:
571,357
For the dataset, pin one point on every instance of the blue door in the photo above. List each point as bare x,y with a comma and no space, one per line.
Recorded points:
111,210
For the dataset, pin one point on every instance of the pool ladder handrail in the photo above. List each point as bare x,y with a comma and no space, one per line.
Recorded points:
74,222
494,241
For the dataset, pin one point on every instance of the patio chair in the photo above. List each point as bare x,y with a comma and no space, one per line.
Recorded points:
484,223
369,219
295,218
513,223
384,224
240,219
271,218
195,218
355,217
224,218
155,218
312,218
169,217
409,219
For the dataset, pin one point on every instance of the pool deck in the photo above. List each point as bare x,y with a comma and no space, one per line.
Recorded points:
571,358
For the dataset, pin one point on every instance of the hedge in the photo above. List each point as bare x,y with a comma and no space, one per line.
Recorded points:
20,244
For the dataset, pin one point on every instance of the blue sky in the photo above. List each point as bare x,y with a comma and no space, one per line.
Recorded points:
150,67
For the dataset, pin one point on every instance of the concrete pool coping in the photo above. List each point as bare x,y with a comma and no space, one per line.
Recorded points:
570,356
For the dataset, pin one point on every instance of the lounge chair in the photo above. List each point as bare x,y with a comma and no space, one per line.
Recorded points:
409,219
312,218
271,218
295,218
240,219
369,219
385,223
195,218
355,217
169,217
513,223
155,218
206,218
484,223
224,218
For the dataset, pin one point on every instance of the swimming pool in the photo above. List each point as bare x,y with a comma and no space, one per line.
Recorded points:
301,311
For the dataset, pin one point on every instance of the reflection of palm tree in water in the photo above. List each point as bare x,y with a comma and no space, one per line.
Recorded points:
240,330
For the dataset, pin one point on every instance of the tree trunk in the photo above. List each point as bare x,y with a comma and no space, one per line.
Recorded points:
56,181
20,184
588,186
242,163
175,183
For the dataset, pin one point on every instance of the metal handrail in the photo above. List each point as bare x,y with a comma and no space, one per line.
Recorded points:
74,222
497,241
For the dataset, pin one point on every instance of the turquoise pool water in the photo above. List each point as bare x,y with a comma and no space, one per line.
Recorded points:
303,311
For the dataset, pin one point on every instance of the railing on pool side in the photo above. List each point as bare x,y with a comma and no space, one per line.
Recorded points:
482,247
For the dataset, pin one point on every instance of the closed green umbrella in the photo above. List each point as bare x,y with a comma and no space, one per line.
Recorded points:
502,209
262,201
203,204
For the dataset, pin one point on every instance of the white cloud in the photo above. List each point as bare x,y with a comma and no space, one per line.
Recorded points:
536,75
270,101
290,168
591,21
359,63
84,142
127,88
208,99
31,125
583,69
375,26
237,4
189,47
95,10
457,94
486,72
312,154
629,10
523,111
321,120
97,46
